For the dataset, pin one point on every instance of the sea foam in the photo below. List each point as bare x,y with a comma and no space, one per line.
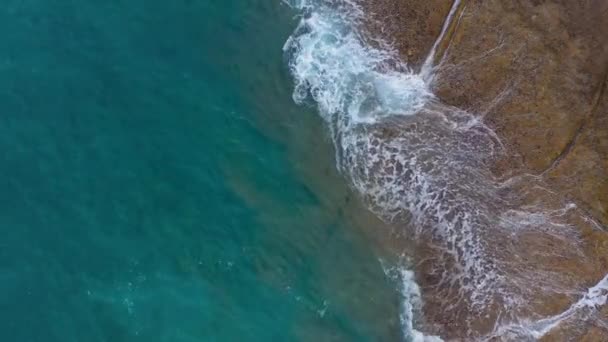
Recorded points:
350,80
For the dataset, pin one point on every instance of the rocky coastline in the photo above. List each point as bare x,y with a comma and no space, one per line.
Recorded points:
535,73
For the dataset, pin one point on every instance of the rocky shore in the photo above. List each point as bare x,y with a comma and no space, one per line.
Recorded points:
535,73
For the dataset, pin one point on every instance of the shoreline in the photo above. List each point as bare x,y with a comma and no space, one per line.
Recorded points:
465,160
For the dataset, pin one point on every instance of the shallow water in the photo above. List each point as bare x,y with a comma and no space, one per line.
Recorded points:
158,183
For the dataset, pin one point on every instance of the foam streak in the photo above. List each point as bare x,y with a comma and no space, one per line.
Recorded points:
595,297
427,67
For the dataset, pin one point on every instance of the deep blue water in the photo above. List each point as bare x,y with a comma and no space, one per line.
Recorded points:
158,184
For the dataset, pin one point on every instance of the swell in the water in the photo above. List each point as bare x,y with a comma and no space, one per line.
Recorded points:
424,165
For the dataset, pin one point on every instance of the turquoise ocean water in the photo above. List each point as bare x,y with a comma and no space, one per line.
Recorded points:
159,184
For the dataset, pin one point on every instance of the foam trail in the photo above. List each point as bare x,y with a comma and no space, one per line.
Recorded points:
594,297
427,67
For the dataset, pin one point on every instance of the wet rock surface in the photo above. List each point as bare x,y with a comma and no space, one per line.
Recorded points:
410,25
535,70
536,73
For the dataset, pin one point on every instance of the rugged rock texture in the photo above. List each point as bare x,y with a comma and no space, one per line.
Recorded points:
535,68
536,72
581,171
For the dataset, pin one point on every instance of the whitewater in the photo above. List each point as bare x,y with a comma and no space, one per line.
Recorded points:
424,165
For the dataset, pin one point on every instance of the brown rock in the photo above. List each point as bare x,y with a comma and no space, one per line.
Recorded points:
536,72
582,171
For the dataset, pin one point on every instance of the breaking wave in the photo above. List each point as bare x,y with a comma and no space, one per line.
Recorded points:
351,81
411,302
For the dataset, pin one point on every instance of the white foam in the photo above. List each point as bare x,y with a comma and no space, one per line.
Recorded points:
348,79
411,303
430,173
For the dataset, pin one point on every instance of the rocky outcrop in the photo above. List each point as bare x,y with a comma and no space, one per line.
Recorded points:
581,171
536,72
